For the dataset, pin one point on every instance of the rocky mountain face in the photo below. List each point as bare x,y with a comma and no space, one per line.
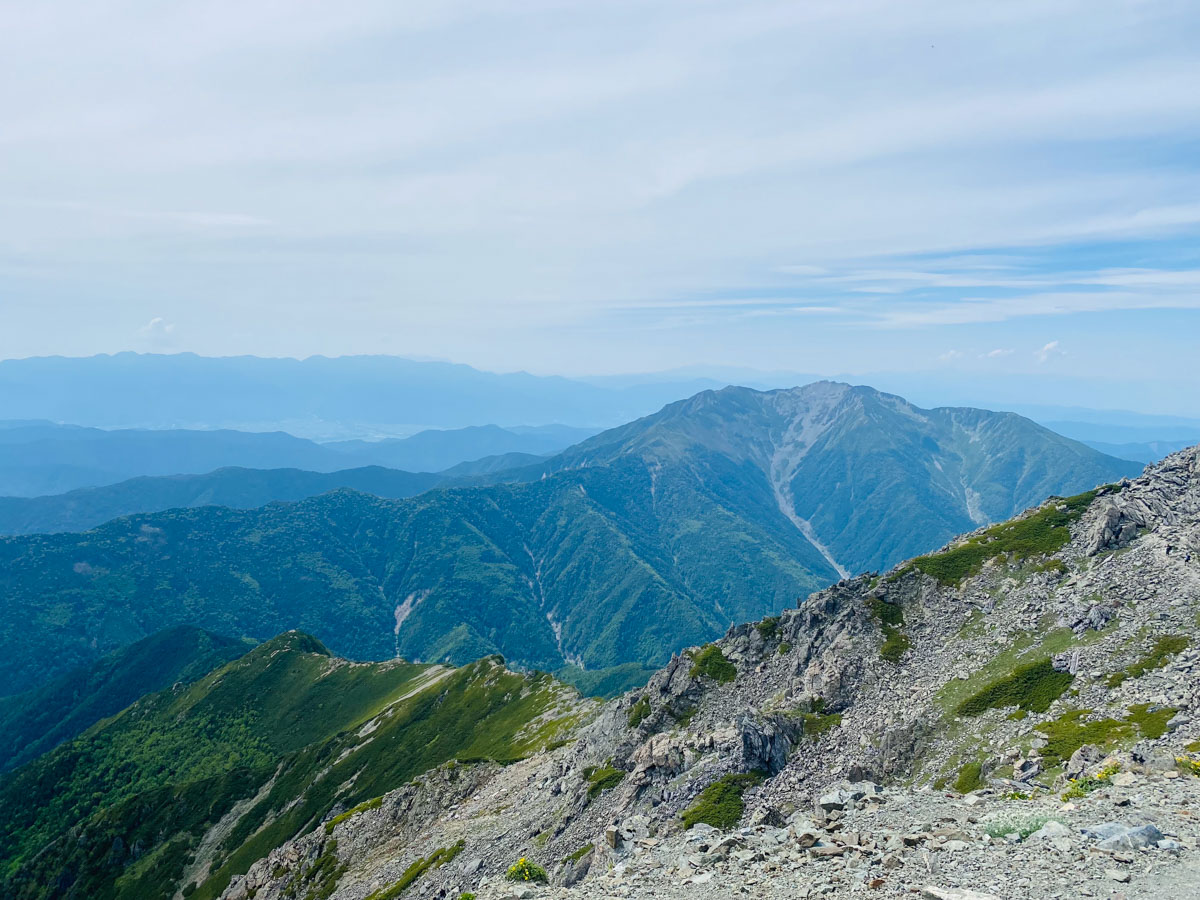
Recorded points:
1013,716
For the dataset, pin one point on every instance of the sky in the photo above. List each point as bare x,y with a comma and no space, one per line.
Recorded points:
971,191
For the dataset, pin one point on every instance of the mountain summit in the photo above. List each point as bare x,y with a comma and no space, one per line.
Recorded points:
867,478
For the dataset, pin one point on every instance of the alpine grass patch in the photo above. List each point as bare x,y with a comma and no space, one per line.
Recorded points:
1031,687
710,662
720,804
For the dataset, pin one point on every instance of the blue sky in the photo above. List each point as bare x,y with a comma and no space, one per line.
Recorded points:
1003,190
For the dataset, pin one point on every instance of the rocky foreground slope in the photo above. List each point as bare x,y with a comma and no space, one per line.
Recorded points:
1013,716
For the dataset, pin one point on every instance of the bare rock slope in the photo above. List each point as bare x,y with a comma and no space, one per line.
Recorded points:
1013,716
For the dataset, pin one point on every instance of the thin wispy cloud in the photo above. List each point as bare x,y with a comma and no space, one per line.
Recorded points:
1049,351
504,183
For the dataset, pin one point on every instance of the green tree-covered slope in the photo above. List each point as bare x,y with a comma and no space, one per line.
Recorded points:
273,743
39,720
603,565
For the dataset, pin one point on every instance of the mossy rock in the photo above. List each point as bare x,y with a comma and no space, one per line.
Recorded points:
721,804
601,778
638,712
710,662
970,778
1158,656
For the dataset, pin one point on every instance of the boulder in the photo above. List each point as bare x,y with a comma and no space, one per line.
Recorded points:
1138,838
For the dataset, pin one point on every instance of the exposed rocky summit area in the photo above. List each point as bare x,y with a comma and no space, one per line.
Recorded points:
1014,716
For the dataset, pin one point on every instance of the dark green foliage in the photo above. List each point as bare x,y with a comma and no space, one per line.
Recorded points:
419,867
600,779
970,778
768,627
1159,655
720,804
710,662
1151,720
1032,687
1071,731
1040,534
817,723
784,647
630,575
639,711
156,776
891,620
39,720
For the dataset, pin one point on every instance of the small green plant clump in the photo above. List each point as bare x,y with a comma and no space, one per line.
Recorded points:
1021,825
373,803
466,895
970,778
1151,720
1081,787
419,867
1019,795
711,662
891,619
1031,687
600,779
768,626
784,647
1188,765
639,711
525,870
1164,648
720,804
815,721
1041,534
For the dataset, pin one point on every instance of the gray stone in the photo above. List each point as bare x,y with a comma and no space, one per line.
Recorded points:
1104,830
1051,829
1133,839
835,799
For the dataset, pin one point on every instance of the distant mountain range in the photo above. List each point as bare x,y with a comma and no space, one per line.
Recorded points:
43,458
618,551
237,488
315,397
